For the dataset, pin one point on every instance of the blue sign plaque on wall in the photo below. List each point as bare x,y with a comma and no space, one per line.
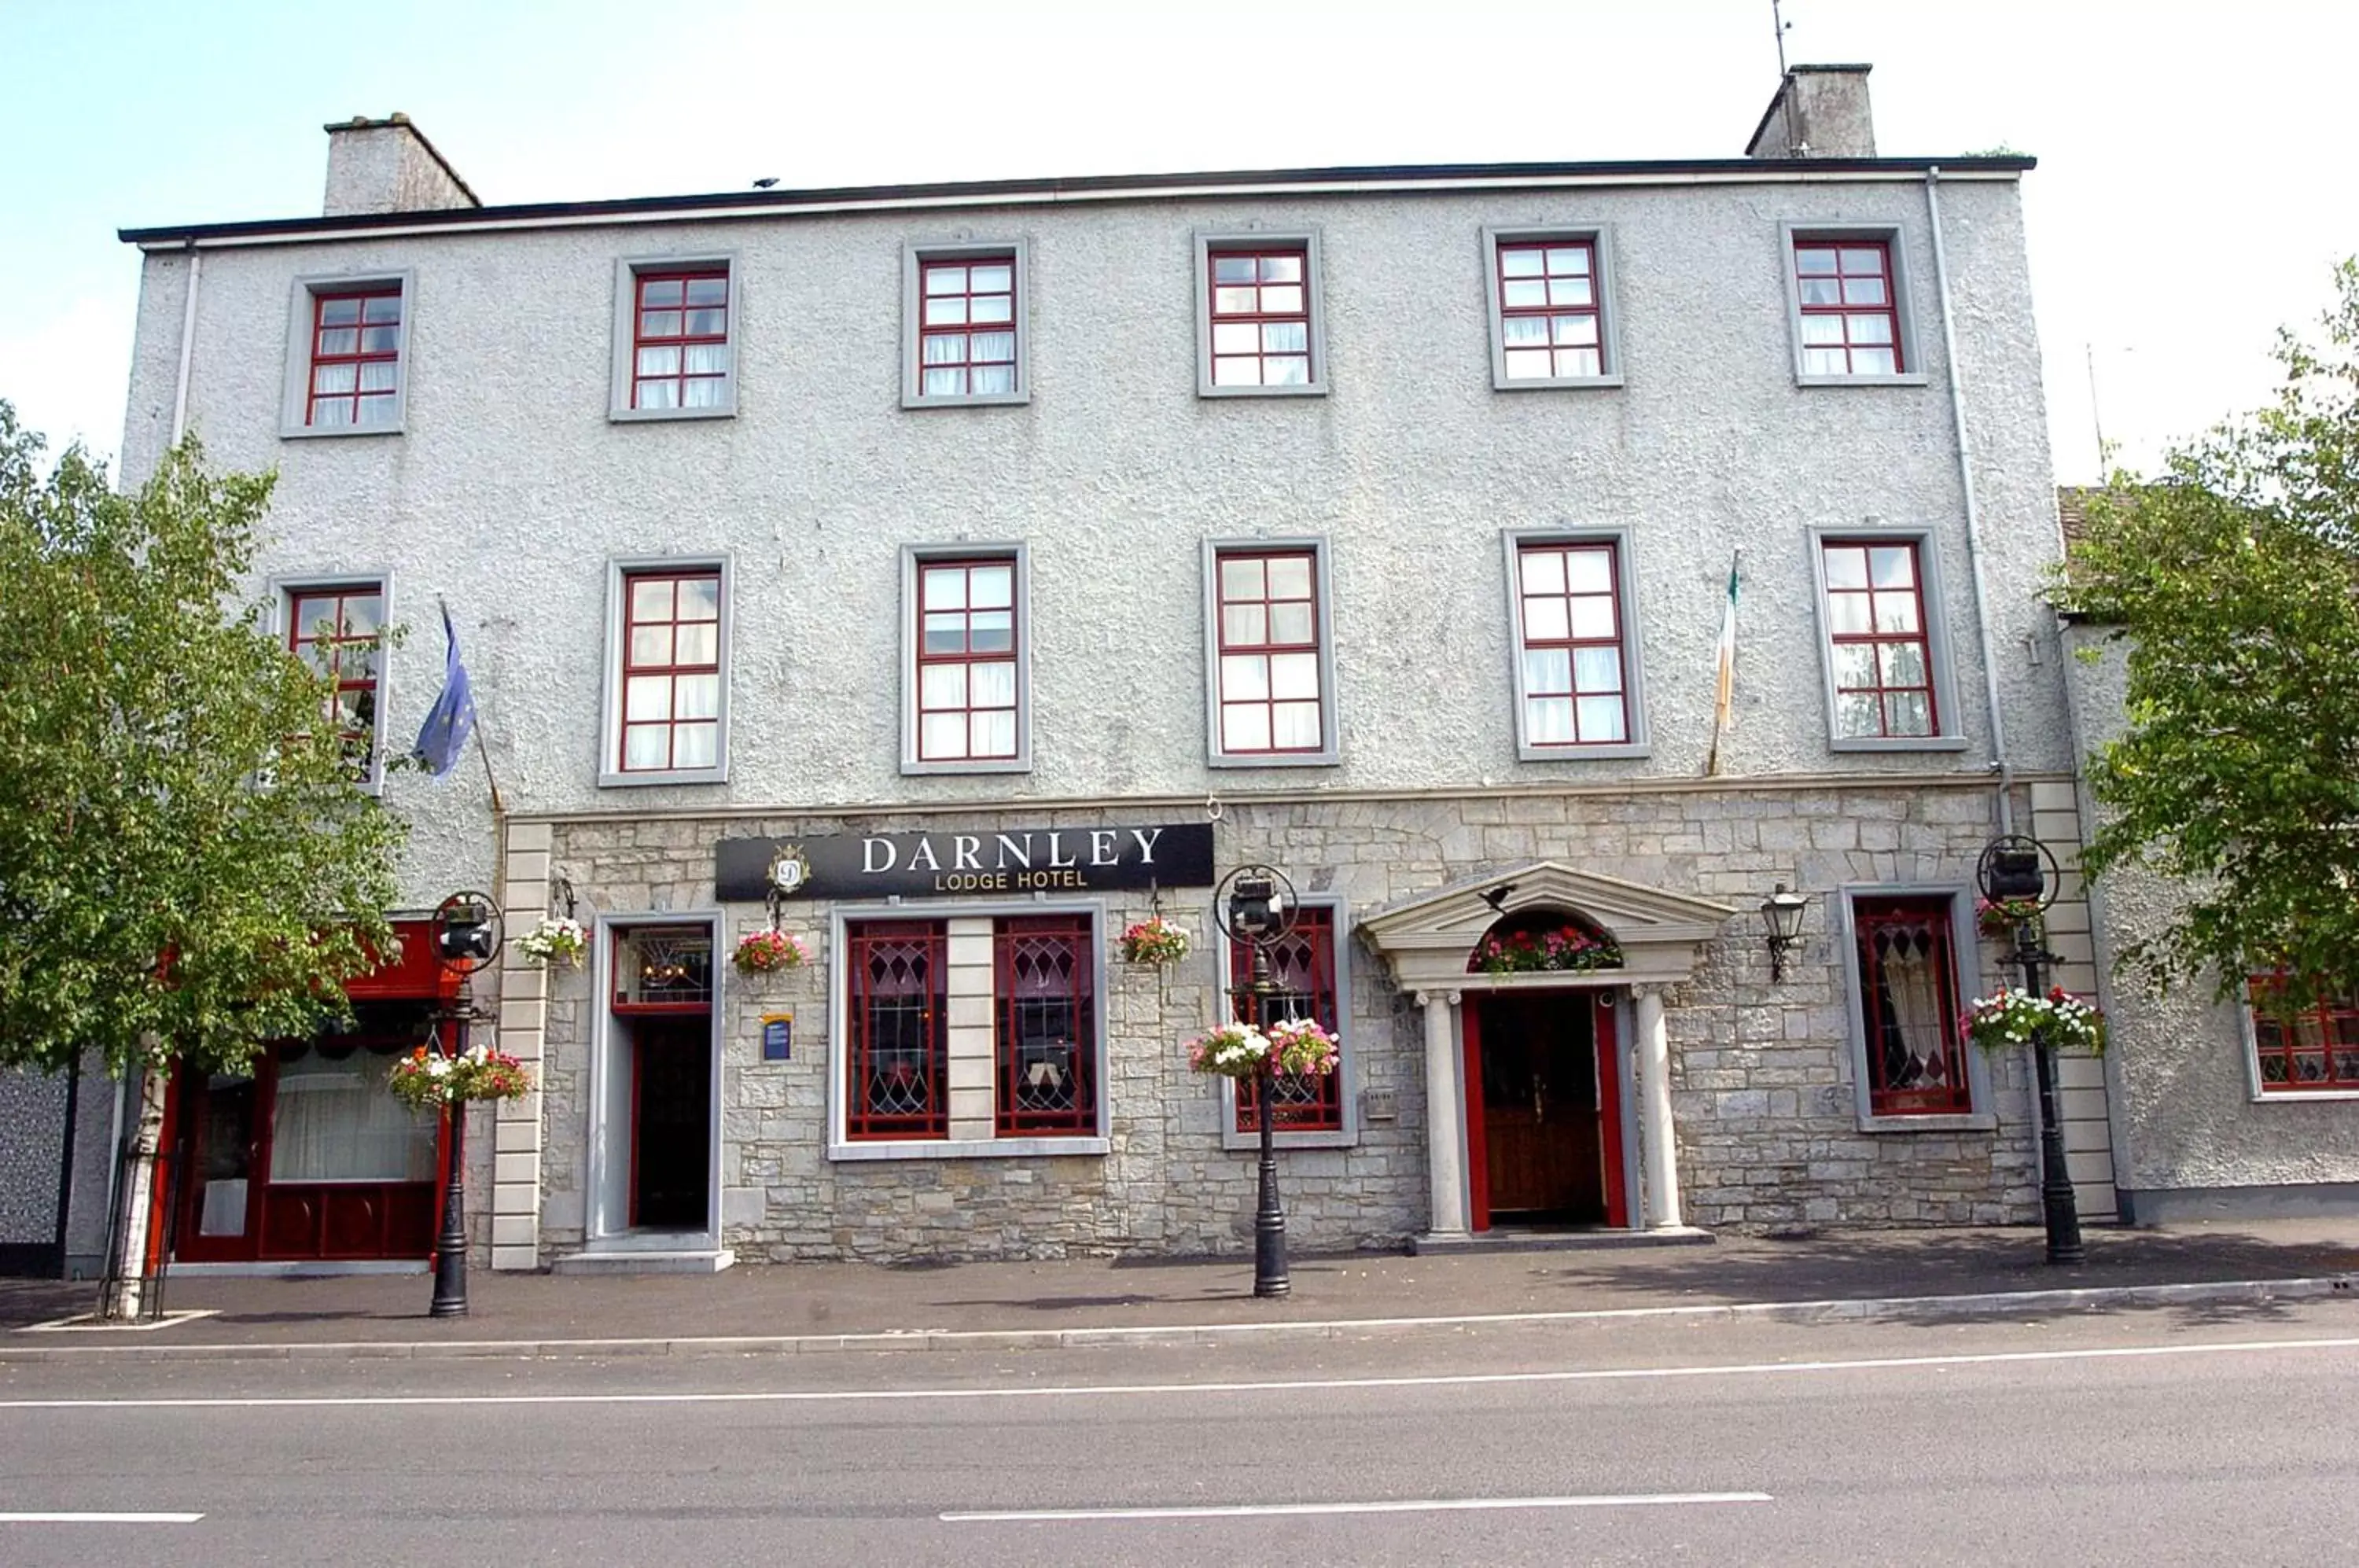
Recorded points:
777,1037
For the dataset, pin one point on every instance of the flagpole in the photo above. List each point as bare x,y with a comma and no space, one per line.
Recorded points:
499,808
1725,683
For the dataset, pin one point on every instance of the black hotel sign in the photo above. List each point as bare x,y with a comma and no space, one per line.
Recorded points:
917,864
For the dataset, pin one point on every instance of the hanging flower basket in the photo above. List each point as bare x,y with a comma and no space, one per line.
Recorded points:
1294,1047
2008,1018
762,952
1999,916
553,942
1154,941
1523,952
427,1079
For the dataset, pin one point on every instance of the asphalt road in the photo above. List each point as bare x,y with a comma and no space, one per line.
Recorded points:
2146,1438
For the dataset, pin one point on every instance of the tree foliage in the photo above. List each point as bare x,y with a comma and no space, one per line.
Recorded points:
187,868
2235,579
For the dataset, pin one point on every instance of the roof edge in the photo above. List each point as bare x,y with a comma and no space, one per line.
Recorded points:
1024,192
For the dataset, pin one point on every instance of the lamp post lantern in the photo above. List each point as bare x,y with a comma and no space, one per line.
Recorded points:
1781,917
2013,867
1255,905
467,937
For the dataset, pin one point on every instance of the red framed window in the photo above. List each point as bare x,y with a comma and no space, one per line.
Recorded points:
1908,1008
966,660
1046,1045
671,670
1548,325
1850,323
662,969
338,631
680,348
1261,317
897,1064
1269,630
1302,967
1875,620
355,357
2303,1050
1575,687
966,332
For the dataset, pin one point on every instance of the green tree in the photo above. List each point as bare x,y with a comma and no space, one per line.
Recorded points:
2233,576
187,869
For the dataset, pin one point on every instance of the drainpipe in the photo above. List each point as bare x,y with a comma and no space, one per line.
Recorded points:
187,344
1998,760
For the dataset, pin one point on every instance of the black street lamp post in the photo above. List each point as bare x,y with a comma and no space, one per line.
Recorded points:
466,939
2011,868
1257,910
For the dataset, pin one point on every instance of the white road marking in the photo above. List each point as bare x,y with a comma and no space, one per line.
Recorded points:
1428,1505
1272,1386
100,1519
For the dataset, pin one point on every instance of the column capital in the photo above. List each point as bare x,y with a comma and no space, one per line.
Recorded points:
1427,998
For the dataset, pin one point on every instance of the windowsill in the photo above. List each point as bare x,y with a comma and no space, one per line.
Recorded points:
1908,378
1315,389
309,432
1621,750
913,768
660,415
1557,383
1276,759
2303,1096
1978,1121
967,400
675,776
970,1148
1235,1141
1897,743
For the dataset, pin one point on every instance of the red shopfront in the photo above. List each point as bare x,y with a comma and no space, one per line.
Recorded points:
309,1158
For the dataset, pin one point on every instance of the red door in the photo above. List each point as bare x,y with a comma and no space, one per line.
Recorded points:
1543,1108
223,1119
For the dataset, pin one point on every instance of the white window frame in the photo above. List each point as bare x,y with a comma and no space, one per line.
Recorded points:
1314,268
1598,238
842,1149
1960,897
1625,592
628,271
2258,1092
619,569
295,393
1950,734
914,258
1793,236
1348,1135
282,590
1330,752
914,557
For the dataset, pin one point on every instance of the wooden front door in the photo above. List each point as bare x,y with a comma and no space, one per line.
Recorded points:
672,1122
219,1144
1547,1138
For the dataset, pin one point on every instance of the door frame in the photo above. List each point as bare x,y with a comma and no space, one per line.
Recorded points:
609,1130
1612,1056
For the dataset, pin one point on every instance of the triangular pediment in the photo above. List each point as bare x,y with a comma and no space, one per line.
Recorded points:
1428,940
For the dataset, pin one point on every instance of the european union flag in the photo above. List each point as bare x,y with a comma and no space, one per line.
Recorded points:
452,718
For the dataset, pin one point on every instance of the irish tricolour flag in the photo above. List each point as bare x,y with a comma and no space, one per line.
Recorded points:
1723,707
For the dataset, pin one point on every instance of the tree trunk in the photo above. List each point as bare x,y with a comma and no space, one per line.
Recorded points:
124,1292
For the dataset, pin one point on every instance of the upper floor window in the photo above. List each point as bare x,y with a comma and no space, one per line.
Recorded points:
1876,628
1551,309
1849,306
347,354
667,696
1575,683
2303,1050
966,332
1271,673
966,684
1258,327
338,630
675,338
1302,970
1908,1008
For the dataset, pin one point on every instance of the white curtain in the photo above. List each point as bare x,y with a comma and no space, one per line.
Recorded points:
1915,988
336,1121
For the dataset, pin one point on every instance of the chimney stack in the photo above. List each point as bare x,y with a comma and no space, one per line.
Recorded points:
389,166
1821,111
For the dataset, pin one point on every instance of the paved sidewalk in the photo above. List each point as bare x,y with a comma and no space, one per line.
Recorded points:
1926,1272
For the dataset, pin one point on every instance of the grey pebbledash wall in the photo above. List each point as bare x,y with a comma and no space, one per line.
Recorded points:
1762,1076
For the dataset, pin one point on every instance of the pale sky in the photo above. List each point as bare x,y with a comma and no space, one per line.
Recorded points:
2193,190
